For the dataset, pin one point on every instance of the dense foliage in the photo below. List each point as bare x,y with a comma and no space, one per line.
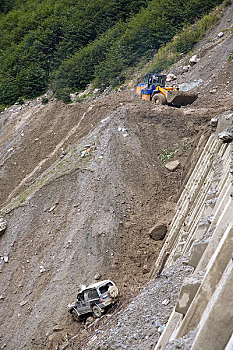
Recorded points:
68,43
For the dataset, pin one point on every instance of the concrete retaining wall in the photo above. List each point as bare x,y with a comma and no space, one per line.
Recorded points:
202,232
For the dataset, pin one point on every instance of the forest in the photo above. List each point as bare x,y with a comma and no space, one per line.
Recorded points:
65,44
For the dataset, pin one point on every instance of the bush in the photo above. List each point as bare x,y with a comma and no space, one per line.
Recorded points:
63,94
67,44
44,100
227,3
182,43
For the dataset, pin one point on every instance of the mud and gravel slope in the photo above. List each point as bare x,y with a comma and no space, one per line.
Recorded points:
90,214
80,187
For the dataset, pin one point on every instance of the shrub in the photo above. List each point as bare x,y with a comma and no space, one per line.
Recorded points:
63,94
44,100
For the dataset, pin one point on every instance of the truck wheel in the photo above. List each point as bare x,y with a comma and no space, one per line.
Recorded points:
159,99
75,315
113,291
96,311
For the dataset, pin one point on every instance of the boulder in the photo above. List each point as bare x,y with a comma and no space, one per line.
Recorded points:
171,77
226,135
73,97
3,225
193,60
220,35
214,122
186,68
97,276
158,232
145,270
172,166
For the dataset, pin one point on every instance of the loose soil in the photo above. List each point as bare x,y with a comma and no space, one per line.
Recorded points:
70,216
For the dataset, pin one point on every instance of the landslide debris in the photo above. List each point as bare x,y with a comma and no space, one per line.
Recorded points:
81,186
74,215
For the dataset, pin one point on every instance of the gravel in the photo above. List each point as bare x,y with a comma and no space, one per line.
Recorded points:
142,322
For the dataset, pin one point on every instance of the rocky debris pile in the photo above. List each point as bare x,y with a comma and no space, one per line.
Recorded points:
142,322
89,92
184,343
16,108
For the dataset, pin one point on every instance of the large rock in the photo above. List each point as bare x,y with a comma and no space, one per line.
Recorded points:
214,122
3,225
158,232
172,166
226,135
171,77
193,60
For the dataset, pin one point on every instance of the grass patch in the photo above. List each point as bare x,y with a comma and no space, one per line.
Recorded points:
230,56
168,153
2,107
62,167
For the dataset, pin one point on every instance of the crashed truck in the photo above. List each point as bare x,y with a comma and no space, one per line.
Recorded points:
94,300
154,89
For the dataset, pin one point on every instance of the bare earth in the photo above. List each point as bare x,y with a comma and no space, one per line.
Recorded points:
70,217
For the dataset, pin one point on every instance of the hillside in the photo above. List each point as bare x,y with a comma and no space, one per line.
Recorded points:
81,185
65,45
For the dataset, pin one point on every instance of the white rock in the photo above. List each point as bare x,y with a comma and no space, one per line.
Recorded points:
6,258
161,329
42,269
186,68
73,96
214,122
172,166
52,208
97,276
171,77
193,60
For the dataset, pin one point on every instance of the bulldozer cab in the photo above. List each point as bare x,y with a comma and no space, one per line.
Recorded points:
155,79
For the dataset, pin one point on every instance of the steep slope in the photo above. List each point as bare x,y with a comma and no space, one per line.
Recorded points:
84,215
81,186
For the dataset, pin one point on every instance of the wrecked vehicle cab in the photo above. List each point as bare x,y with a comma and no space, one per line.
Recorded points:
94,299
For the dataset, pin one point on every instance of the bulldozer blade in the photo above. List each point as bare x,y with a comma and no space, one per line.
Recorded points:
181,98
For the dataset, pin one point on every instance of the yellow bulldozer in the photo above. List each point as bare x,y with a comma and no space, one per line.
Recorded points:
154,90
